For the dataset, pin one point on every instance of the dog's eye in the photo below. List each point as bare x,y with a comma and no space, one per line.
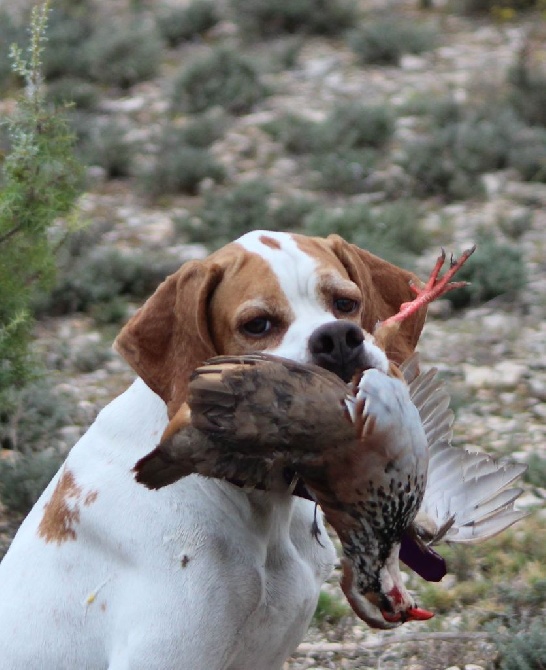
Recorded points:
257,327
346,305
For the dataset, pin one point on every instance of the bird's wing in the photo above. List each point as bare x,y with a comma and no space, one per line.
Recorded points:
268,404
247,419
467,497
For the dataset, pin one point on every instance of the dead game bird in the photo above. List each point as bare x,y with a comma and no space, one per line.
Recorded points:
363,450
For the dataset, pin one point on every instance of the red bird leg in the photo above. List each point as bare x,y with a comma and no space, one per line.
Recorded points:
433,289
411,614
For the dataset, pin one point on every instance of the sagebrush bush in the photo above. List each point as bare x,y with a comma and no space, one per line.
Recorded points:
329,610
201,131
34,415
227,215
70,26
10,32
178,24
528,92
23,481
100,276
344,171
180,168
350,125
298,134
222,77
522,647
528,154
393,232
384,41
354,125
73,91
124,52
267,18
451,159
105,144
493,270
536,473
291,213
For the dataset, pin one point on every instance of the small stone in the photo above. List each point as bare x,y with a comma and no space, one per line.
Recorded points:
473,666
505,375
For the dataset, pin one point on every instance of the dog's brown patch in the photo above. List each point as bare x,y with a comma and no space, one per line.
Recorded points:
62,512
90,498
270,242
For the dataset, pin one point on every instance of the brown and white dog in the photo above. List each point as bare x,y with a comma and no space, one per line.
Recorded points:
105,574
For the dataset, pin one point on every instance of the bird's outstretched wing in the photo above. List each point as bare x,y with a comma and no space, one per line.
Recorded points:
467,497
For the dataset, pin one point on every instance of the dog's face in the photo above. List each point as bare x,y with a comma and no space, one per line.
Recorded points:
308,299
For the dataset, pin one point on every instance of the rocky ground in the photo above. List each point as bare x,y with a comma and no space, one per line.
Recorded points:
493,356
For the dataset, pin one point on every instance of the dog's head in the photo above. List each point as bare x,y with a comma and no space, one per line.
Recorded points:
309,299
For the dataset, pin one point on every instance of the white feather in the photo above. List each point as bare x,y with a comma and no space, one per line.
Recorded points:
468,488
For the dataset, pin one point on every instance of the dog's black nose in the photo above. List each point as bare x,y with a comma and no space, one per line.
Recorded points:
338,347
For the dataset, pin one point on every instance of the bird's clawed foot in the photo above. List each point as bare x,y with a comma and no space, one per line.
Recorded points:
434,287
315,530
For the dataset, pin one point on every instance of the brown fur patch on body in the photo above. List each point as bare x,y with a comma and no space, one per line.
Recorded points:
62,512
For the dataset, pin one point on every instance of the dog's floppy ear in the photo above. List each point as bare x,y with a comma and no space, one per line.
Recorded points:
384,288
169,335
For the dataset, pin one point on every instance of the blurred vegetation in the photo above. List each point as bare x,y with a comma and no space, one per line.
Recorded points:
221,77
382,41
40,183
266,18
493,270
180,24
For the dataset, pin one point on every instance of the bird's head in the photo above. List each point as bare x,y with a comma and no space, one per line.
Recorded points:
379,597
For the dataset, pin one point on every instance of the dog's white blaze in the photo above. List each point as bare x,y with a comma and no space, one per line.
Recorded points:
297,275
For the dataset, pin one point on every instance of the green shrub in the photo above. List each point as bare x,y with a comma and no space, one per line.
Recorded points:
222,77
41,181
180,169
201,131
330,609
101,276
178,24
92,357
124,52
290,214
105,144
493,270
226,216
34,415
523,646
10,32
69,29
297,134
349,125
536,473
452,158
71,90
393,232
528,92
528,154
356,126
266,18
384,41
344,171
23,481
